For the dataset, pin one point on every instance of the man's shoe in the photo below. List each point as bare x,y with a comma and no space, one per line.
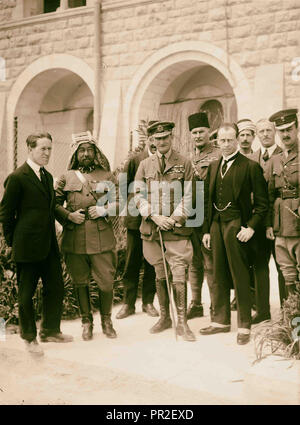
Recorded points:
211,330
125,312
243,339
87,331
58,337
162,324
258,318
34,348
107,326
194,310
150,310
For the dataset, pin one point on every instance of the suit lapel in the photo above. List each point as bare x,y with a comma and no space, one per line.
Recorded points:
50,186
215,166
239,173
171,161
30,174
277,151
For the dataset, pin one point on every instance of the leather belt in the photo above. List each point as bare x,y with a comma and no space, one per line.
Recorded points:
288,193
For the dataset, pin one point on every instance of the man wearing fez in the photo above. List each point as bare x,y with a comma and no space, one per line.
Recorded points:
88,241
27,214
263,247
163,194
284,211
246,129
235,203
134,249
205,153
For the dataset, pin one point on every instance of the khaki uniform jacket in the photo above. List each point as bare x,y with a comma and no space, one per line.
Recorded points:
284,173
92,236
265,165
203,158
154,196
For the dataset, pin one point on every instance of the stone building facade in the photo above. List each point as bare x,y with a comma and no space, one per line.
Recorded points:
140,59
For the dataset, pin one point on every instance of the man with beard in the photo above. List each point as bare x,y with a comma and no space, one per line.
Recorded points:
134,248
246,136
262,246
205,153
88,242
235,203
284,218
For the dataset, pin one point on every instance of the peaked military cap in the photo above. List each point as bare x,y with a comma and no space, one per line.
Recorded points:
160,129
284,119
198,120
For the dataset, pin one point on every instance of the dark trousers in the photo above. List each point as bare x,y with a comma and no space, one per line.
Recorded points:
230,264
261,249
281,281
28,274
134,261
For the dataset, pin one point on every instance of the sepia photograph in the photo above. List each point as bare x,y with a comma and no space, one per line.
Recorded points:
149,205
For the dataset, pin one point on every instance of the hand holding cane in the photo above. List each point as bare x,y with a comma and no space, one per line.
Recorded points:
167,282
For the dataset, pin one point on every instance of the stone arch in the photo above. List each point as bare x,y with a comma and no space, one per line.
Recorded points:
156,74
58,62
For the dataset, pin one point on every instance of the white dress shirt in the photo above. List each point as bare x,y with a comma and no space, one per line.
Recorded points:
229,163
36,168
270,150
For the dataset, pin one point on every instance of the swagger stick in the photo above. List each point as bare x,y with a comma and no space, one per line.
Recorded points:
167,282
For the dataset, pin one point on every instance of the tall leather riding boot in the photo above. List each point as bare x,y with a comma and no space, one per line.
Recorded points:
105,305
164,321
182,327
84,303
195,308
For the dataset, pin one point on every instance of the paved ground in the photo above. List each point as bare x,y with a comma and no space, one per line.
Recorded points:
137,367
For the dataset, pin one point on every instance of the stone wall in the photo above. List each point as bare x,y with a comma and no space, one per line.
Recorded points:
71,33
257,33
6,10
254,33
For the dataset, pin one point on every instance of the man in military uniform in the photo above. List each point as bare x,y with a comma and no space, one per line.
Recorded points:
163,194
134,251
88,241
205,153
246,136
263,247
283,218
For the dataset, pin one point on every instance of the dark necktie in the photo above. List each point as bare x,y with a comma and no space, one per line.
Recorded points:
266,155
163,163
225,163
44,179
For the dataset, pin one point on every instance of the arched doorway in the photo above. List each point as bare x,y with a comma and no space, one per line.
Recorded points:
179,80
57,99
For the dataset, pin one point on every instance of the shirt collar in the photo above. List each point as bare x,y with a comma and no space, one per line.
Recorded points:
230,156
34,166
270,150
167,155
150,153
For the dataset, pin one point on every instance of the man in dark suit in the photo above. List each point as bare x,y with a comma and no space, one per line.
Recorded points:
261,246
231,216
134,251
27,216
